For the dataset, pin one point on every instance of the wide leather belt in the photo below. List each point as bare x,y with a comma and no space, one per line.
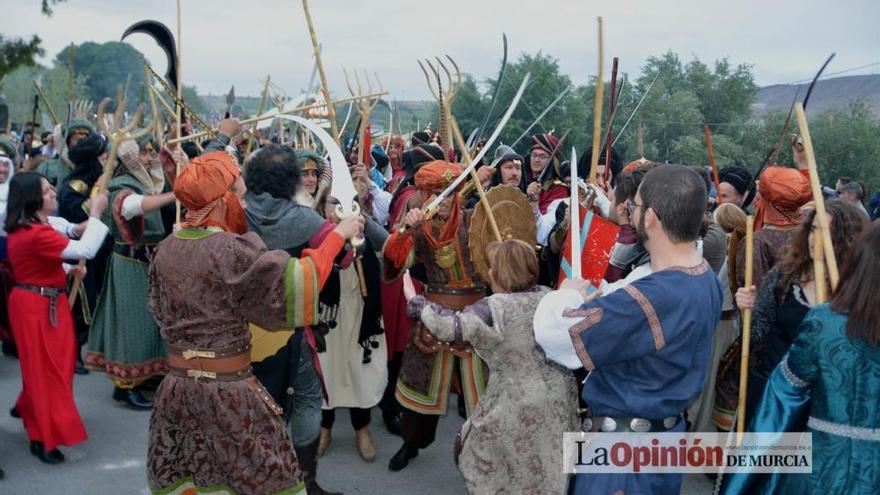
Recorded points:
620,424
207,364
52,293
450,298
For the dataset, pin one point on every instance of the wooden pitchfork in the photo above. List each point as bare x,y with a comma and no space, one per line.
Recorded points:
364,107
444,98
116,135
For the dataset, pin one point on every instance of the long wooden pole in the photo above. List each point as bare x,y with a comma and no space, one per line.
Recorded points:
821,214
250,143
286,112
711,150
819,271
52,115
612,109
456,133
179,114
747,331
325,89
597,111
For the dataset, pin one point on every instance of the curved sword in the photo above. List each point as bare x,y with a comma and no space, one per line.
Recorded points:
164,39
342,187
495,93
476,160
546,110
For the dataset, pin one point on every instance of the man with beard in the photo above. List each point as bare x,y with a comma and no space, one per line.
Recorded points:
87,156
734,185
428,369
646,346
56,169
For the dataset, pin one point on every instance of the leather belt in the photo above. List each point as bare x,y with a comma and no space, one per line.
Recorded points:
607,424
52,293
143,253
196,364
450,298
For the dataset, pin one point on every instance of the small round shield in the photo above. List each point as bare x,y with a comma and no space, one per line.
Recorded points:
514,217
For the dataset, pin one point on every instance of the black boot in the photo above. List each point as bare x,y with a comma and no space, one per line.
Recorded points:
307,455
14,413
53,456
133,398
392,423
402,457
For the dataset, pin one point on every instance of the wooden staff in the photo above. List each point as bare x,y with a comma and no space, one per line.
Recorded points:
70,59
821,214
819,271
711,150
325,89
286,112
250,143
597,112
179,113
612,109
747,331
115,135
456,133
52,115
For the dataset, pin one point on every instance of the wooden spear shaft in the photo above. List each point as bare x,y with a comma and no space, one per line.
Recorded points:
250,143
179,114
325,89
711,150
46,103
456,133
286,112
597,112
746,333
612,109
821,214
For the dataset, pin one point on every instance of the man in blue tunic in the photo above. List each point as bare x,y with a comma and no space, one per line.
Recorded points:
647,346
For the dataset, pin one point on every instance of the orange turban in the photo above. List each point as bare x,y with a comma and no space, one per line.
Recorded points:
437,174
783,191
204,188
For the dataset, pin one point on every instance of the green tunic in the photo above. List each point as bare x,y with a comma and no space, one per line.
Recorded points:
55,170
124,341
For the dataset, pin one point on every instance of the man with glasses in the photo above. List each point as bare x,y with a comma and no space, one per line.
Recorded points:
544,180
647,346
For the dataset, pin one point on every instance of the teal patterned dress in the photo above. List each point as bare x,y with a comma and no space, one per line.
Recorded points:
124,340
829,385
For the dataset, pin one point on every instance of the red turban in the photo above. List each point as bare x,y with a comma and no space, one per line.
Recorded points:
204,188
782,193
438,174
547,142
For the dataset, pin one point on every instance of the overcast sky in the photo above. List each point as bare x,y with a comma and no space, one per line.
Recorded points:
239,42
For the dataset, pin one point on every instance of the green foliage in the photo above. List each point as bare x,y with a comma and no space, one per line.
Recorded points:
106,66
18,88
16,52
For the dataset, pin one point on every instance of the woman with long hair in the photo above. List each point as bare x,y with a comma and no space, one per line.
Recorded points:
40,314
788,292
827,384
529,402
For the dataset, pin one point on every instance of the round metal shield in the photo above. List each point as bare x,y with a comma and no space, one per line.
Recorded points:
514,217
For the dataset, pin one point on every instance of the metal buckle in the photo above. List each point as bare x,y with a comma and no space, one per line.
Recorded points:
201,374
192,353
608,425
640,425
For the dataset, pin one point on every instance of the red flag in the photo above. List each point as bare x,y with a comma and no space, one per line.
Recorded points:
598,236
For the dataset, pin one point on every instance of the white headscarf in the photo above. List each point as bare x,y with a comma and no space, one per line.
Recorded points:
4,192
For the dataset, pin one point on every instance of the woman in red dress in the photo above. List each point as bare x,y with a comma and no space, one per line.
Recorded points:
40,314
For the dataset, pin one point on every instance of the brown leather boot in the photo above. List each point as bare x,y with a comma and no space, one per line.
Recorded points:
324,441
365,444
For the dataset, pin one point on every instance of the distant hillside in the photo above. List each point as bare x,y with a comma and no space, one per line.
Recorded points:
837,92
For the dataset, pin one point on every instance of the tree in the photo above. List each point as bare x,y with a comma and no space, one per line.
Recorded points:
106,66
18,88
469,107
16,52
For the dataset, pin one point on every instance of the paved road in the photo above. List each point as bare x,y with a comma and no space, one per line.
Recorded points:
112,461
